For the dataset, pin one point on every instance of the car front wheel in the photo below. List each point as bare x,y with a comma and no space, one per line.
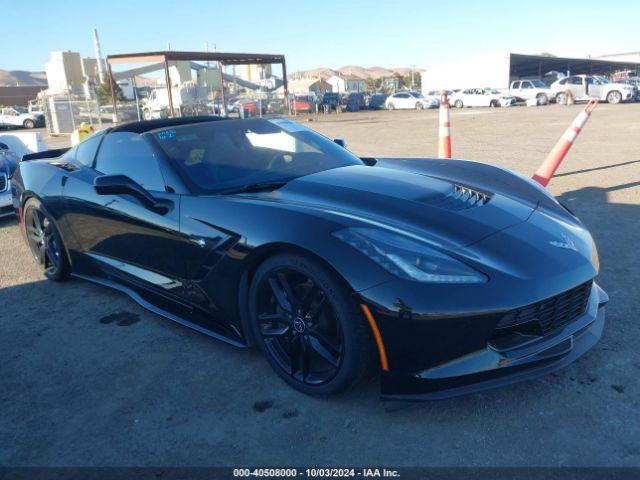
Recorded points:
307,326
614,97
29,124
458,104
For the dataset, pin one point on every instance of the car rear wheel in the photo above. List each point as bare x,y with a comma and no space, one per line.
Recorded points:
494,104
542,99
458,104
29,124
614,97
391,106
561,99
419,106
306,324
45,242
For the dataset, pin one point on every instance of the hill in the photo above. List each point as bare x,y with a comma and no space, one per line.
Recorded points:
10,78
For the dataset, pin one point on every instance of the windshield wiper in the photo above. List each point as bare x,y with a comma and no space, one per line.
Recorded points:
253,187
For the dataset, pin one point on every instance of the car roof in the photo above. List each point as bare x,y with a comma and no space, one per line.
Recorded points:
148,125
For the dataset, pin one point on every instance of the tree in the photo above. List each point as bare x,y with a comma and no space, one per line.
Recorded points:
104,91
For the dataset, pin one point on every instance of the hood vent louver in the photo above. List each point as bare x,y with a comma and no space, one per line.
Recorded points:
461,198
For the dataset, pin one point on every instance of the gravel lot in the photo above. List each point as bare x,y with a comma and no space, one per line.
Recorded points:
89,378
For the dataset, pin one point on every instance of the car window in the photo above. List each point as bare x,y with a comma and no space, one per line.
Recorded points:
516,85
127,153
575,81
527,85
563,81
402,95
86,152
214,156
468,91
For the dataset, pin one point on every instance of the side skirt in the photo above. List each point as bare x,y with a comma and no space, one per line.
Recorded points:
158,311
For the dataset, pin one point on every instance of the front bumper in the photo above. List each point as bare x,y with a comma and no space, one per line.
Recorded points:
6,202
492,367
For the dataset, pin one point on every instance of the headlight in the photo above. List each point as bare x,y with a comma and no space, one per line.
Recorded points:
407,258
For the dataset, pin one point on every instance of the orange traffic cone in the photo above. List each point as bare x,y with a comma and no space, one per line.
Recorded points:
550,165
444,131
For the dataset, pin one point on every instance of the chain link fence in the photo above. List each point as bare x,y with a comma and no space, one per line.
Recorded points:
65,112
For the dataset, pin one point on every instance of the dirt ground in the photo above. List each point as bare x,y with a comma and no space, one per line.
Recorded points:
87,377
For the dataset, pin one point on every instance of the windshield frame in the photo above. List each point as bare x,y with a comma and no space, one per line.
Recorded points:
198,190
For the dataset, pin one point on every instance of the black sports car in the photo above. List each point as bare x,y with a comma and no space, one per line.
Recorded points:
449,276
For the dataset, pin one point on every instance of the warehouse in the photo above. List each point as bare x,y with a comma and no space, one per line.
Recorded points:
499,70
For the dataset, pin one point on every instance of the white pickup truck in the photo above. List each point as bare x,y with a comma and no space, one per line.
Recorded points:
586,87
20,117
525,90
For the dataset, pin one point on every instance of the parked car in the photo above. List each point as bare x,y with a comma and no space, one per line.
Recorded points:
481,97
353,101
8,163
410,100
447,277
525,90
586,87
330,100
20,117
377,101
303,103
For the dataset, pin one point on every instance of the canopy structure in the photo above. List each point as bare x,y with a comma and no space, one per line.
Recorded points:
527,66
162,59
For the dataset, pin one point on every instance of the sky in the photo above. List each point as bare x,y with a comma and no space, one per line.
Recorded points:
326,33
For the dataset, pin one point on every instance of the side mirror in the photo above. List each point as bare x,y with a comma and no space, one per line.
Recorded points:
123,185
340,141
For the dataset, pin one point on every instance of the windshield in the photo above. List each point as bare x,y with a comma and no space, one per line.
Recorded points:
602,79
20,109
227,154
539,83
416,94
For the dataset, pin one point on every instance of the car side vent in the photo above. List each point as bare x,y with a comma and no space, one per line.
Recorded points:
461,198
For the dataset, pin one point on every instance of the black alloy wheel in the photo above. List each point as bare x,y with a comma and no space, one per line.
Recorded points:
306,325
45,242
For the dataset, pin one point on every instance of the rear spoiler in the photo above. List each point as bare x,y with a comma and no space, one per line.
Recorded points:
45,154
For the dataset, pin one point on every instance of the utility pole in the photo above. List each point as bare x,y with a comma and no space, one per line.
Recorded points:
98,52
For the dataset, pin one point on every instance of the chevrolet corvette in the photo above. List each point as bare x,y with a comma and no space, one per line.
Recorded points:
445,276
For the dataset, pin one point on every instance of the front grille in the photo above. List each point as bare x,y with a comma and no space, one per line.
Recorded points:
461,198
547,315
3,182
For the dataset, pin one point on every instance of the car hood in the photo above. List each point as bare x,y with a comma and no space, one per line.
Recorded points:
445,213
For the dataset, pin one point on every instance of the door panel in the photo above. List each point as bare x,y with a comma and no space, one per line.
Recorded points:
120,227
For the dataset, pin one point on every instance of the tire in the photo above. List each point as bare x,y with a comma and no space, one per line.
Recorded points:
391,106
494,104
45,242
146,114
458,104
419,106
614,97
542,99
561,98
29,124
322,327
